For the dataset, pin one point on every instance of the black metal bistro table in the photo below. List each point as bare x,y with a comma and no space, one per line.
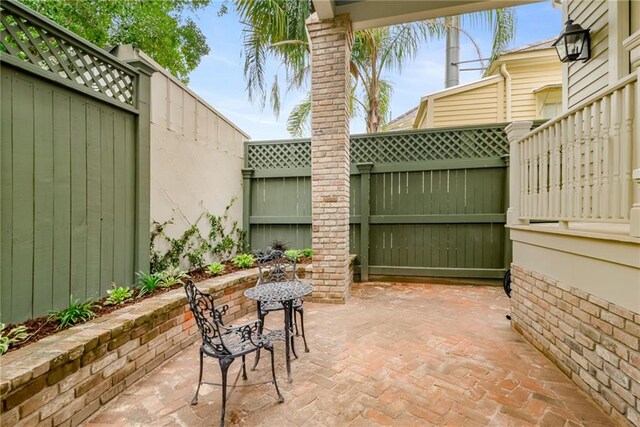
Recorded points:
285,293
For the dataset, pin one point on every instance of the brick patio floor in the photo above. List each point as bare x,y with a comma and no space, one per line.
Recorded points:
395,354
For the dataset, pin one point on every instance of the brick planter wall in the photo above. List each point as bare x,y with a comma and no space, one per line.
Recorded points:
64,378
594,342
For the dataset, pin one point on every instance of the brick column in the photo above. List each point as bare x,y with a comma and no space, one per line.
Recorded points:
331,42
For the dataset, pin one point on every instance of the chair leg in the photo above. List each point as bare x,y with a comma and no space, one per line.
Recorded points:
244,368
273,373
293,342
260,329
304,338
295,322
224,367
194,401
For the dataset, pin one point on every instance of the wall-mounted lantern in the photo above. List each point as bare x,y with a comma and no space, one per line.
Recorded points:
574,43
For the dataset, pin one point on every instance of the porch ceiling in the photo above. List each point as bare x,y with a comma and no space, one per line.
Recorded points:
378,13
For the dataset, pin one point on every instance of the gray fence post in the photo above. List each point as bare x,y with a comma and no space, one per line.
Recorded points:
365,211
130,55
508,252
247,174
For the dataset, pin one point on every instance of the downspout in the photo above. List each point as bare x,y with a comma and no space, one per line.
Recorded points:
507,90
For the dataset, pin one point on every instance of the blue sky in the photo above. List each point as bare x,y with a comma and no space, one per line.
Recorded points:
219,77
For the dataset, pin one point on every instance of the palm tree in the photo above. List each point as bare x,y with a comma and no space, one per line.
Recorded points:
275,28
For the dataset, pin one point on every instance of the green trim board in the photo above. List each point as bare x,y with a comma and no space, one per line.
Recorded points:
391,167
392,219
478,273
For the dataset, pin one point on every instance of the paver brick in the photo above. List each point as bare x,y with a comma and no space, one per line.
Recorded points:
423,363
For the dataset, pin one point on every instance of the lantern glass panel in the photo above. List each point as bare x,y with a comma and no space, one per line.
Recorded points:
574,44
561,48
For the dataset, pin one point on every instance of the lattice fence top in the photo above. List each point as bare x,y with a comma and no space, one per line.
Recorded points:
395,147
34,40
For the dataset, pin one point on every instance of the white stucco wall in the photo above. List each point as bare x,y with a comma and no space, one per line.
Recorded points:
196,156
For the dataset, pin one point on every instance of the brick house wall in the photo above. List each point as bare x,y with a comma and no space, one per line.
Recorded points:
594,342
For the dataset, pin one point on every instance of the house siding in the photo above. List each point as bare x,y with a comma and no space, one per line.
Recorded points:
524,80
587,78
472,107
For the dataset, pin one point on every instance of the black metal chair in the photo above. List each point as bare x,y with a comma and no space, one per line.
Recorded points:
274,266
225,343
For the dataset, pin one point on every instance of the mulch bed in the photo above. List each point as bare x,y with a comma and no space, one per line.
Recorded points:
42,327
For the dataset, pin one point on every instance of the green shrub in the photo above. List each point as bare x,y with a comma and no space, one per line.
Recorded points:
149,282
244,261
215,268
173,276
119,295
14,336
307,253
293,254
77,312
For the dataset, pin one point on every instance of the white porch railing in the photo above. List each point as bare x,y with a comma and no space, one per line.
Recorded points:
579,167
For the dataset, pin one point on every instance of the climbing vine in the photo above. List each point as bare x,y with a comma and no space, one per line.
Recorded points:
192,245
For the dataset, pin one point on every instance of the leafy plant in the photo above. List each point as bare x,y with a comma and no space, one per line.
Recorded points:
278,245
194,246
118,295
149,282
244,260
14,336
293,254
215,268
173,276
167,30
307,253
77,312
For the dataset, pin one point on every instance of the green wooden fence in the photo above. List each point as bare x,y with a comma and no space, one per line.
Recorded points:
74,209
423,203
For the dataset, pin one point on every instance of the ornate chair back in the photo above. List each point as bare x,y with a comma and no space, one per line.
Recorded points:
208,318
276,267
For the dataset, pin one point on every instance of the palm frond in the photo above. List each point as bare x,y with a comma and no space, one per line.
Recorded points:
275,96
298,121
501,22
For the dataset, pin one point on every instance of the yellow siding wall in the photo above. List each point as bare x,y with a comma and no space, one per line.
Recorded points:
524,80
475,106
585,79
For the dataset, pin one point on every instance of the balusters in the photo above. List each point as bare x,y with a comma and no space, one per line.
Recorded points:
577,165
587,182
556,169
579,168
597,169
625,151
605,195
565,189
571,143
614,162
522,146
544,196
535,200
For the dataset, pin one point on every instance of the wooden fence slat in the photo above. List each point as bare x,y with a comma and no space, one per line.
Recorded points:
23,152
6,198
119,198
106,197
78,200
61,200
94,288
43,201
